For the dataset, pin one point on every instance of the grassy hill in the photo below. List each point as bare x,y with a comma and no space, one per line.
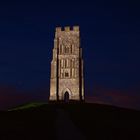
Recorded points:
27,106
93,121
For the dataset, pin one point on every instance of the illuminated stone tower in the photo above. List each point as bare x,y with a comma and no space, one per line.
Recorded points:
67,66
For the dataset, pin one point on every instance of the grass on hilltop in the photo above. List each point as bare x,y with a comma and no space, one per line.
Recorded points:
28,106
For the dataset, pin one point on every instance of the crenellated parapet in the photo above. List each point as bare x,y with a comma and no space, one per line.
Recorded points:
66,31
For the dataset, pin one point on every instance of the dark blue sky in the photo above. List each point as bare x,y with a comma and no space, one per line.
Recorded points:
110,34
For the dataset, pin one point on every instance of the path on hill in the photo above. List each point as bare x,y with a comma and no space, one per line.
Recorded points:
65,128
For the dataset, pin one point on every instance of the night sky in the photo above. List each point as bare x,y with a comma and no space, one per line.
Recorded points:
110,35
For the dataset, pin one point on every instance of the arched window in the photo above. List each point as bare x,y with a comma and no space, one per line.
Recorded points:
67,49
66,74
70,49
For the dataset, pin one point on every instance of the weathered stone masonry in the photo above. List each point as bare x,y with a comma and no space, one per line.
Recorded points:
67,65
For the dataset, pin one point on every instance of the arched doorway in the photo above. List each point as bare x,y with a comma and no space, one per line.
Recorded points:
66,97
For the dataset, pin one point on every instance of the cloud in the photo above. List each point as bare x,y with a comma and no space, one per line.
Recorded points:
11,97
121,98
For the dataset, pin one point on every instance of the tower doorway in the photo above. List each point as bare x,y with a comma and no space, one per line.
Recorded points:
66,97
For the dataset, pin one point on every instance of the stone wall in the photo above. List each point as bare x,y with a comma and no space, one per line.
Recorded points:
67,46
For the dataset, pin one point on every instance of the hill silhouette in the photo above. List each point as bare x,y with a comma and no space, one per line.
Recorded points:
69,121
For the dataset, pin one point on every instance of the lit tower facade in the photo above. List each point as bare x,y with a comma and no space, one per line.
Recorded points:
67,66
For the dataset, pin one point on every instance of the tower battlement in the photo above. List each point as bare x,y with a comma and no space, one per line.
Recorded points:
67,29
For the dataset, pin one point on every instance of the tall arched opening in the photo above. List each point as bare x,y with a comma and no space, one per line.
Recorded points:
66,97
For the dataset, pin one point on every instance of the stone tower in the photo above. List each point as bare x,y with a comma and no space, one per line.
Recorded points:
67,65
